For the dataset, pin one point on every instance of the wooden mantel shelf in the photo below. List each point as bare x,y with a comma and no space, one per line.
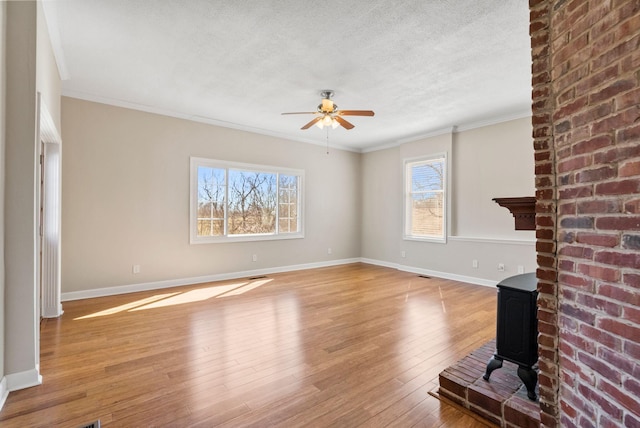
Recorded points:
523,210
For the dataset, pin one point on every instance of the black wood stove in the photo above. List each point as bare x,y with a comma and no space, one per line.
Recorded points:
517,329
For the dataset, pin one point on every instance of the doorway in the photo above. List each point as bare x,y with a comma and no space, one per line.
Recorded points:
50,216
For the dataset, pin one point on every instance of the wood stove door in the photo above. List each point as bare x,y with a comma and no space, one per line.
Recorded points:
517,326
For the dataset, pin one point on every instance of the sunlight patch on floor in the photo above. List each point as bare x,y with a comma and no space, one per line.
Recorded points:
127,306
248,287
181,298
191,296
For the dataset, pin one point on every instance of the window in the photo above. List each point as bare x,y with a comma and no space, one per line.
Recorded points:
242,202
425,210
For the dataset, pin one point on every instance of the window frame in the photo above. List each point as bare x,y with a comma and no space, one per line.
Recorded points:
196,162
406,217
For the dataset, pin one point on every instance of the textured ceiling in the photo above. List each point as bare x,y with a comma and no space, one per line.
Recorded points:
422,66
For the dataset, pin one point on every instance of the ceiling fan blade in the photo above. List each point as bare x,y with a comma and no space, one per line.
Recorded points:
313,122
344,123
356,113
301,112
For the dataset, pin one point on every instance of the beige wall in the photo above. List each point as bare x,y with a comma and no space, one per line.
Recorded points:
20,181
3,39
29,69
491,162
126,199
48,81
126,193
488,162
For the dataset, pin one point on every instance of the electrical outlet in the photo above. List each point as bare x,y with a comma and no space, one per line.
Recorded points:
520,269
501,267
329,250
474,264
403,254
135,269
255,257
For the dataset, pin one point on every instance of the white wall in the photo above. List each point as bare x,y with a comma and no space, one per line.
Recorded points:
126,199
488,162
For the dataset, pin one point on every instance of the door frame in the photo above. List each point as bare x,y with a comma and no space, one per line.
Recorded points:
49,215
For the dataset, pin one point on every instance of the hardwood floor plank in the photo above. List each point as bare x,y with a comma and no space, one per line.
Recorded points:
351,345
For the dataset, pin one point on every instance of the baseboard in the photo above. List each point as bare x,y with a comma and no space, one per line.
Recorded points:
52,312
447,275
4,392
156,285
380,263
428,272
498,241
22,380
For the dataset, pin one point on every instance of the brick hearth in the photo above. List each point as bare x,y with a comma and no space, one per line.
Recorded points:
503,400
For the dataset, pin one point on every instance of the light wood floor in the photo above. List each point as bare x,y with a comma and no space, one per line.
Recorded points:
346,346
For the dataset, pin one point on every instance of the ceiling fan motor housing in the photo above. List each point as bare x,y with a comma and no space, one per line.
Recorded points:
326,93
327,113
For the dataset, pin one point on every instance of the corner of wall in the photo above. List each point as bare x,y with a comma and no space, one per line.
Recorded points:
3,29
22,380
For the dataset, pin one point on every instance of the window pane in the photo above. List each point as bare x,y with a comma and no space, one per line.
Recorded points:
204,227
204,209
288,203
284,225
211,196
426,176
218,227
427,215
425,198
210,227
252,202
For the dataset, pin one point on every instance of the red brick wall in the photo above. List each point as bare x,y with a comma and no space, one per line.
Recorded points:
586,129
543,104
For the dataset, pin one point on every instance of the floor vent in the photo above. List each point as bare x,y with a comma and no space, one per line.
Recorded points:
251,278
424,276
94,424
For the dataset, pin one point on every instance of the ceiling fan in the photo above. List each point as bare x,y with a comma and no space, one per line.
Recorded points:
328,114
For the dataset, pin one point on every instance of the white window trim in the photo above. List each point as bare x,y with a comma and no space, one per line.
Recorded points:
195,162
446,200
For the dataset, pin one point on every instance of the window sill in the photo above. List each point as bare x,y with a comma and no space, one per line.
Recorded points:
244,238
420,239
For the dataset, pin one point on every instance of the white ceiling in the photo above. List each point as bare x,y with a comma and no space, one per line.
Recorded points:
422,66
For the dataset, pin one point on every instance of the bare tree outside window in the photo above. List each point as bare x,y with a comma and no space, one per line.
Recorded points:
211,201
244,202
252,202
